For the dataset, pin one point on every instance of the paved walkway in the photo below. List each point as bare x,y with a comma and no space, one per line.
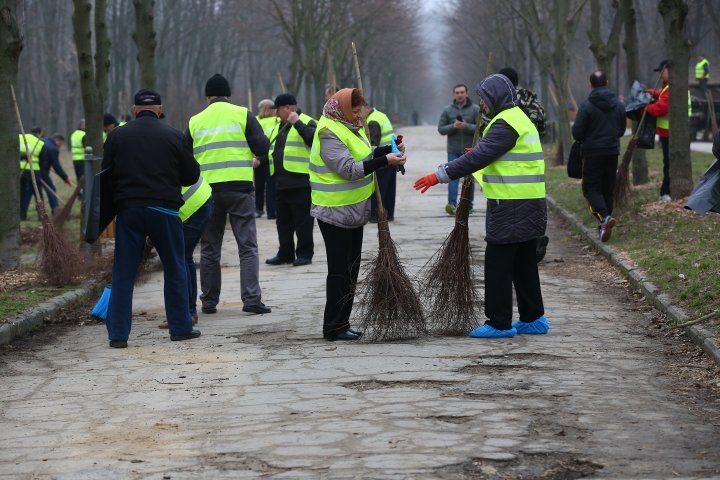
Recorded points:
265,396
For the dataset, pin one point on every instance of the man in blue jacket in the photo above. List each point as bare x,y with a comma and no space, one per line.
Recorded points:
599,124
150,163
513,180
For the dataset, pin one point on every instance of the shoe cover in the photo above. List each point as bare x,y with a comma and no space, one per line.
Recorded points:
486,331
537,327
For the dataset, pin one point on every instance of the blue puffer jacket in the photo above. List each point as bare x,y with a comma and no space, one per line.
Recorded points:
506,221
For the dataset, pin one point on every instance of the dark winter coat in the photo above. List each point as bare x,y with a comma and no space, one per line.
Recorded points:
600,123
458,140
285,180
150,163
506,221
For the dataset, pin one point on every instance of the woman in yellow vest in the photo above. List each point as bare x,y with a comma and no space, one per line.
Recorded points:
508,162
341,167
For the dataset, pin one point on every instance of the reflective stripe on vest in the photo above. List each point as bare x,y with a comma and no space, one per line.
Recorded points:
328,188
386,128
76,145
664,122
220,145
35,145
194,197
520,173
700,69
296,154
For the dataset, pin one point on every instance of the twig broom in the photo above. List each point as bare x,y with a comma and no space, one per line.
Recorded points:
58,262
390,308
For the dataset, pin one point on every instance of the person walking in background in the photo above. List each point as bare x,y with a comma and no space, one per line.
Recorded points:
381,133
341,166
227,139
291,141
702,73
52,161
77,149
264,182
32,155
150,163
513,181
457,122
599,124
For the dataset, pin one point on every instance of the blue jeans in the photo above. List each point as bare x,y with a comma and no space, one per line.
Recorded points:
193,229
454,185
166,232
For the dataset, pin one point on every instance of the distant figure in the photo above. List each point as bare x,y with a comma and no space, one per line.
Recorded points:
599,124
702,73
77,148
457,121
52,161
264,182
29,160
415,118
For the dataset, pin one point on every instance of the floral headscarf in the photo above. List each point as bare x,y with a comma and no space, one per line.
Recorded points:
339,107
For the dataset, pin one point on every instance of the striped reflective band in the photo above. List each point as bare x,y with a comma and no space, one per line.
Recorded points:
513,178
296,144
320,169
522,157
341,187
229,164
293,158
189,192
225,144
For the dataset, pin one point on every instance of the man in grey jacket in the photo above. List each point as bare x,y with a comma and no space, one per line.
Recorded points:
457,121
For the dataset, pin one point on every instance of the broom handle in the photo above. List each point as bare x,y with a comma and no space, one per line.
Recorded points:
27,147
358,78
52,192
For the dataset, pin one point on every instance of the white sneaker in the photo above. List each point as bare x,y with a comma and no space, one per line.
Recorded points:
665,198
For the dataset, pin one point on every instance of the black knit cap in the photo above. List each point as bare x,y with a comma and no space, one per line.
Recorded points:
663,65
285,99
511,74
217,86
147,97
108,119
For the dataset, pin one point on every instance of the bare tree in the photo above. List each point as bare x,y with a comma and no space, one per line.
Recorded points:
144,37
604,52
10,47
674,13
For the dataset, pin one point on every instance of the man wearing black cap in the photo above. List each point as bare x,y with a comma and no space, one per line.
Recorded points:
291,141
110,123
150,163
226,139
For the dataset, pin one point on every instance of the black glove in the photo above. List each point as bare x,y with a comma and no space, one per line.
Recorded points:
382,151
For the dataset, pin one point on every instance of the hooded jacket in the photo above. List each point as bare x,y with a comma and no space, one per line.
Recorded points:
600,123
506,221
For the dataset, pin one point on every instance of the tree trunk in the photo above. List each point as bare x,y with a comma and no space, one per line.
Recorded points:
640,174
92,102
145,40
102,52
674,13
604,52
10,46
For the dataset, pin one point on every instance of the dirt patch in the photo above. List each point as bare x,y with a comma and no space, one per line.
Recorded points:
525,466
381,384
264,338
237,461
456,419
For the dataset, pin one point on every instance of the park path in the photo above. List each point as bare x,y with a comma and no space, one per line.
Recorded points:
267,397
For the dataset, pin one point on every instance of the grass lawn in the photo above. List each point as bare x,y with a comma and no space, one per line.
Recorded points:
15,301
679,250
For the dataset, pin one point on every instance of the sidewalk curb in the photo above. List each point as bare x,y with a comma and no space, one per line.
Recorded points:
36,316
637,278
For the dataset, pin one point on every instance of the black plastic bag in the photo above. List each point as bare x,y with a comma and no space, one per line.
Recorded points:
101,208
705,197
646,133
575,161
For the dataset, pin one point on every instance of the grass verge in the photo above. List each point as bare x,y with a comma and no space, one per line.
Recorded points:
679,250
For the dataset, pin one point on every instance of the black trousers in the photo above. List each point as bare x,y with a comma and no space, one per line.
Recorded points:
508,265
387,181
665,187
598,183
264,189
293,218
343,247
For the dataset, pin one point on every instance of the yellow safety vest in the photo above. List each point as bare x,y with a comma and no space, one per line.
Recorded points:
35,145
328,188
76,145
268,124
296,154
520,173
220,145
664,122
386,128
700,69
194,197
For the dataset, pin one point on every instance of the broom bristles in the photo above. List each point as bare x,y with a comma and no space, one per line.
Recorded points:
451,299
58,261
62,216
